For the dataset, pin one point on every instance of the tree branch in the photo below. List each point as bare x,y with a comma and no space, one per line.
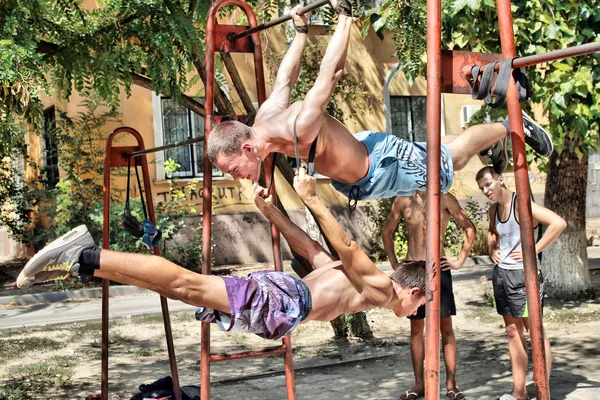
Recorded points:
238,83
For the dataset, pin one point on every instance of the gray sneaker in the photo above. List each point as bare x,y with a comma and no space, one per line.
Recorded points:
58,260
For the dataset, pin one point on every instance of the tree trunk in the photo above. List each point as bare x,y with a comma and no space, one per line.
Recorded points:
565,263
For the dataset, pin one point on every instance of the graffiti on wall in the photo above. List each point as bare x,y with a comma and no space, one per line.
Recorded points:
222,196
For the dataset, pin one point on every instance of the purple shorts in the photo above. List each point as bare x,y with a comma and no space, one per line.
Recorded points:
268,303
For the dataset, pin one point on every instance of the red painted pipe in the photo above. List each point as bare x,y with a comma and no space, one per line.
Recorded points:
112,159
527,61
434,92
536,331
286,348
269,351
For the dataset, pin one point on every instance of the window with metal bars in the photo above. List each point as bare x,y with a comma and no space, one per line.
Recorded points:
50,148
408,117
180,124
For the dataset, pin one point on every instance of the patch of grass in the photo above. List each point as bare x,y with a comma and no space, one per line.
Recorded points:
574,316
485,314
91,330
143,352
146,319
15,347
34,381
184,316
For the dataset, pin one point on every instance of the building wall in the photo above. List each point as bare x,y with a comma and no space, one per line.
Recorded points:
239,231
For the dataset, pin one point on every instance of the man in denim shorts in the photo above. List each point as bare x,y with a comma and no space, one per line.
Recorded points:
368,165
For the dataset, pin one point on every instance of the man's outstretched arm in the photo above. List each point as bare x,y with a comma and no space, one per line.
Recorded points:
289,69
310,117
370,282
298,240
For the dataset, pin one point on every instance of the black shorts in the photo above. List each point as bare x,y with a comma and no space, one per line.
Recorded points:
447,305
509,291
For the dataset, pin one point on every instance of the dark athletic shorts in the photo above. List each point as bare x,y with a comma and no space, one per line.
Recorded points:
447,305
509,291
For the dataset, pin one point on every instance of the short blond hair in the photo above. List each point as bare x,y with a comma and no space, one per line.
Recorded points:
226,139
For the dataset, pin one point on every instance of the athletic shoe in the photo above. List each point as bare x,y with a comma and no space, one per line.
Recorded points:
58,260
498,155
537,137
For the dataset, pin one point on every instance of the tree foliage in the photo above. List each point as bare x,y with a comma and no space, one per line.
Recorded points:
569,90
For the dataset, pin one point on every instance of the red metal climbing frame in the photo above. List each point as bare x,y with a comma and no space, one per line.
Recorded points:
450,72
116,157
236,39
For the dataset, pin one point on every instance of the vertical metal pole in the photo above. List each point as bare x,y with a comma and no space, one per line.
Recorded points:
507,39
434,91
105,282
163,300
288,359
207,204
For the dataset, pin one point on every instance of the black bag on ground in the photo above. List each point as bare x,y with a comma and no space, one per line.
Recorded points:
163,389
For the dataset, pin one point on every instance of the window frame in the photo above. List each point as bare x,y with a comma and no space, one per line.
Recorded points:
159,140
50,180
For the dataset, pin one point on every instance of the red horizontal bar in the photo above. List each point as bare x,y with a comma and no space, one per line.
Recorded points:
267,351
527,61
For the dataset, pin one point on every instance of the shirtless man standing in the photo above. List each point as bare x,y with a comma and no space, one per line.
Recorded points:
367,165
412,209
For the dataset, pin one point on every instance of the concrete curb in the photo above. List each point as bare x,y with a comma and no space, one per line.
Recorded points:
55,297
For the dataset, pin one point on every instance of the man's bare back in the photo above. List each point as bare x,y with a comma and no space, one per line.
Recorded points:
333,294
339,155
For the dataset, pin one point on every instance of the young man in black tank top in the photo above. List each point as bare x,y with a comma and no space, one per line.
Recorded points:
504,243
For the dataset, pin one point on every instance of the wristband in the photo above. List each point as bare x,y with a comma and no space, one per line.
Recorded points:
344,7
301,28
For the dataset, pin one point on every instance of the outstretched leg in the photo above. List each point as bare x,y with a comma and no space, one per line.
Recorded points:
474,140
163,276
76,253
478,138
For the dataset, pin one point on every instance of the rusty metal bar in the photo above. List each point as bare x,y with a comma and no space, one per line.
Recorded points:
167,146
105,282
312,6
215,42
554,55
268,351
434,93
209,92
536,331
118,157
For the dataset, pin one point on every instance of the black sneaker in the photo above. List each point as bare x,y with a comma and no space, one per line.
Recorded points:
58,260
537,137
498,155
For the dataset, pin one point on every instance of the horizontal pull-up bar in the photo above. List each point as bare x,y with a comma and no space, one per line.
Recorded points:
312,6
527,61
166,147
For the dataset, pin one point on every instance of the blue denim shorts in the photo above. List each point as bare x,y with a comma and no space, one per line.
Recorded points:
396,168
